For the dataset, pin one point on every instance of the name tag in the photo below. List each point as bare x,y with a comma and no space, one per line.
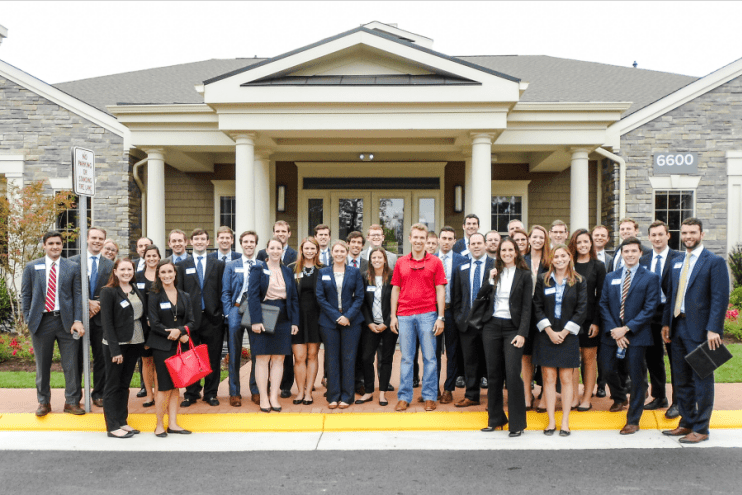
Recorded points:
39,267
190,271
165,305
550,291
465,267
326,277
141,286
298,276
677,266
125,304
616,282
371,288
239,270
267,272
465,252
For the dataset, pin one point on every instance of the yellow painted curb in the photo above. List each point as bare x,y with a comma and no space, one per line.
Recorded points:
406,421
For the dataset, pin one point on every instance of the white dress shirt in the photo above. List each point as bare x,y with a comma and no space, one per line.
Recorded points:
694,255
502,295
663,261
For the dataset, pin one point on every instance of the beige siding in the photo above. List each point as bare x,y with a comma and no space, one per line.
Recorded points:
189,201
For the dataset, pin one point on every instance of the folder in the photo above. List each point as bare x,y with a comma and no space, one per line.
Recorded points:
704,361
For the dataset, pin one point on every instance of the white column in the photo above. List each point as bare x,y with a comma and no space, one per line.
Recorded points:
467,182
579,191
481,173
262,196
156,198
244,182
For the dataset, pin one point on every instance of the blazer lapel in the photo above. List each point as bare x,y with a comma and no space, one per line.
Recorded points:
637,278
697,267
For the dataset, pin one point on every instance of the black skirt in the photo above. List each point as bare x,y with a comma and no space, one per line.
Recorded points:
164,382
550,355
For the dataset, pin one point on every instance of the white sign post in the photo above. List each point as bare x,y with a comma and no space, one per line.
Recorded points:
83,185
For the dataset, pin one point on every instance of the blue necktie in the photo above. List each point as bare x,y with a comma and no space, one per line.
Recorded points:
658,271
477,281
224,258
200,271
93,275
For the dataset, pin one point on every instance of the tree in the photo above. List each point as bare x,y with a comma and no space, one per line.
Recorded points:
26,214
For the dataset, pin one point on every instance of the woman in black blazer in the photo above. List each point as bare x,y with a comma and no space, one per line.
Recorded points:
560,304
377,289
123,317
504,334
145,279
591,269
170,317
340,297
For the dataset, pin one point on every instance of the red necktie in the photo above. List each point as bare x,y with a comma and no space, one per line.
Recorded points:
51,289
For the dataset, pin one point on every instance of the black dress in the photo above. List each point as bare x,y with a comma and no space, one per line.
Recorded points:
308,308
594,274
144,285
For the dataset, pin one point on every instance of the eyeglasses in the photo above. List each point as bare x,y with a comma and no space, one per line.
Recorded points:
376,235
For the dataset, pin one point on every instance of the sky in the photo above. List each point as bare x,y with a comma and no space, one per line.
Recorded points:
66,41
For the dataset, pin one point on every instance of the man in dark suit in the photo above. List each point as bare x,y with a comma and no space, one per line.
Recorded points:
224,239
467,280
99,271
201,278
142,244
696,306
177,243
355,260
51,294
659,261
627,228
628,302
322,236
601,236
451,261
471,226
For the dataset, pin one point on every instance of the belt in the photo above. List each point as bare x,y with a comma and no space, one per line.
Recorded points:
681,316
52,313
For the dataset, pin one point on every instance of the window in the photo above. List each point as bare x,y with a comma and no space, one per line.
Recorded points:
68,224
509,202
315,213
672,207
226,211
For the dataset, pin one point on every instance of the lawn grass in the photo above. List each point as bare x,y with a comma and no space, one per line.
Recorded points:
27,379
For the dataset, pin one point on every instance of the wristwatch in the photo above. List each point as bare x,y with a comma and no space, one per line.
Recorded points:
442,318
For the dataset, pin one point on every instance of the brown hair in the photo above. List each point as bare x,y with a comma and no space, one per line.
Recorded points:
199,231
300,255
528,240
572,275
249,232
520,263
113,280
157,284
372,271
573,244
224,230
545,249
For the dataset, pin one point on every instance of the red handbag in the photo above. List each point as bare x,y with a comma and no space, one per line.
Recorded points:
190,366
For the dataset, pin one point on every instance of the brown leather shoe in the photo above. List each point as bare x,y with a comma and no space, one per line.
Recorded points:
402,406
694,437
74,409
98,402
446,397
420,399
466,403
430,405
236,401
677,432
629,429
43,410
618,405
255,398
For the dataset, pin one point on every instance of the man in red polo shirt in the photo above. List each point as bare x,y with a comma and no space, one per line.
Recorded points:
418,304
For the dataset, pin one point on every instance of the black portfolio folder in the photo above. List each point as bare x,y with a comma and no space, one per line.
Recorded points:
704,361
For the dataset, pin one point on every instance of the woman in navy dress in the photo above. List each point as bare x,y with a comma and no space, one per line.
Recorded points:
273,285
145,279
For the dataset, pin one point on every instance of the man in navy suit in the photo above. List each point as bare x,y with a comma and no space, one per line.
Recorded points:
471,226
627,304
467,280
51,294
627,228
694,313
178,243
451,261
99,271
659,261
201,278
224,239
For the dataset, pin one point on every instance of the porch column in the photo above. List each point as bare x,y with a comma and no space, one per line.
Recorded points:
467,182
262,196
156,198
244,182
481,173
579,191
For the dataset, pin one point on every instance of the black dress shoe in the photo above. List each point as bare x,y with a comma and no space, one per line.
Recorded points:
179,432
415,382
513,434
656,404
277,409
212,401
483,383
298,401
285,393
600,393
129,434
363,401
488,429
549,432
673,412
142,393
390,388
187,402
460,382
564,433
148,404
161,435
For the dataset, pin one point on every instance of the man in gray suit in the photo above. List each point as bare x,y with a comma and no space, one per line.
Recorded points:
51,295
375,238
99,271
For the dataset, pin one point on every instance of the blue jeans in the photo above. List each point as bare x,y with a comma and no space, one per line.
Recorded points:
411,329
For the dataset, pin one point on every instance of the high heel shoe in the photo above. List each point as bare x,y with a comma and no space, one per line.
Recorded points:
514,434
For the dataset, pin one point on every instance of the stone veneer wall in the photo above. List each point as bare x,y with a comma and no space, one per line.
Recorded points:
709,125
43,132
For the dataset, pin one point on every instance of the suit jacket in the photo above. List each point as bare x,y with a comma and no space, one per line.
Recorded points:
640,304
69,292
617,256
369,292
706,295
117,316
162,318
258,286
391,258
216,255
519,302
351,295
608,262
594,278
105,267
136,263
460,247
461,291
233,281
363,264
288,257
574,306
212,289
646,261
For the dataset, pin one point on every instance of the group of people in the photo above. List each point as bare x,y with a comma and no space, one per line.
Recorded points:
505,309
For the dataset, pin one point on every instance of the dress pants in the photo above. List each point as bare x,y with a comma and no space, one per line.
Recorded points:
341,346
370,342
504,364
451,336
212,335
50,330
695,395
474,361
98,364
637,371
656,363
235,334
118,379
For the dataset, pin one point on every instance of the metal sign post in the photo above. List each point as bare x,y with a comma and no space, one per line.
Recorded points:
83,184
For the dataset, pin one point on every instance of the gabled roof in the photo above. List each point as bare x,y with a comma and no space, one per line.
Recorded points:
380,80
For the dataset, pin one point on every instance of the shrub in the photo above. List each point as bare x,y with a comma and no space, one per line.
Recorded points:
735,263
735,298
733,323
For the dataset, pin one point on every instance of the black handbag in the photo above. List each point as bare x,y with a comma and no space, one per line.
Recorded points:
481,310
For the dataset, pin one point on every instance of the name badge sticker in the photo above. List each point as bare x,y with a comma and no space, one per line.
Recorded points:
190,271
141,286
239,270
124,304
616,282
550,291
465,267
371,288
39,267
165,305
465,252
677,266
326,277
267,272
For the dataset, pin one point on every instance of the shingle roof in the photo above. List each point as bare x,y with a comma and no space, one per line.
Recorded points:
549,78
380,80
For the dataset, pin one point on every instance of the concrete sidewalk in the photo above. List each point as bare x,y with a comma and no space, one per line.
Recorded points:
18,405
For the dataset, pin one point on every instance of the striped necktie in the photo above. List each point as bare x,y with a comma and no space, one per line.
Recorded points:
625,292
51,289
